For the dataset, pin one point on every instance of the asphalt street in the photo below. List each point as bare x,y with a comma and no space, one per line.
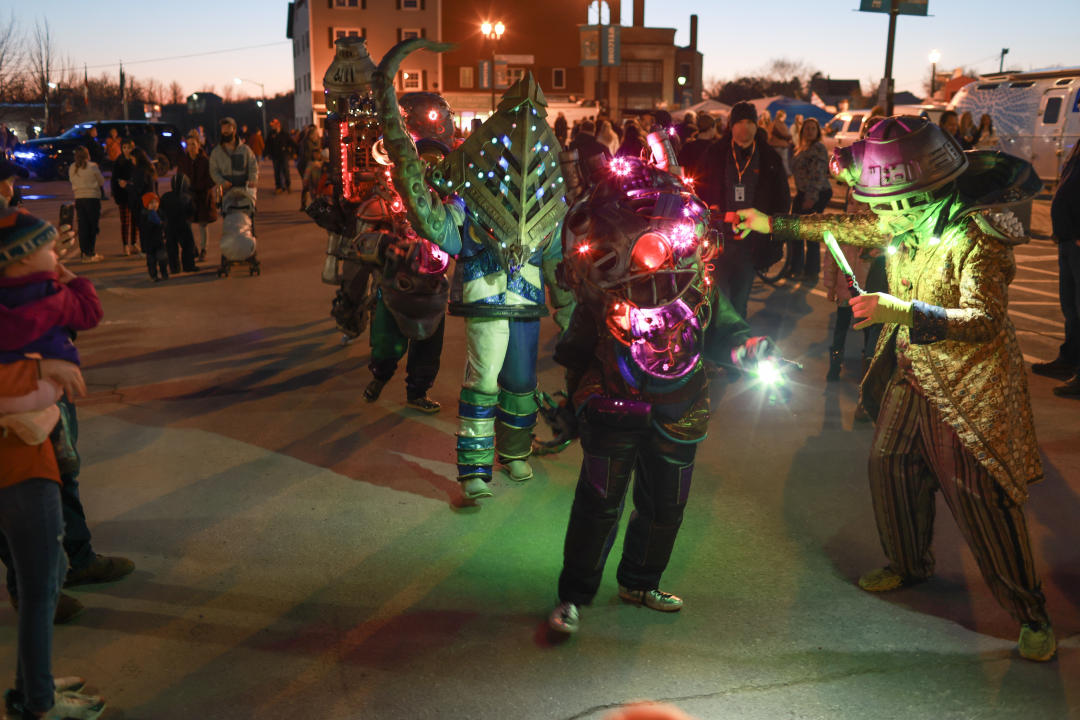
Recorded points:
301,553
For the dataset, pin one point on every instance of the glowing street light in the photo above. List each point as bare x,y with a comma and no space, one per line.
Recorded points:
493,32
259,103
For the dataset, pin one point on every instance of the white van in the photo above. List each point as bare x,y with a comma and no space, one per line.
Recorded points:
1036,115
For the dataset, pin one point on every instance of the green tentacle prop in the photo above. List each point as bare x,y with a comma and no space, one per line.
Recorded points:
425,211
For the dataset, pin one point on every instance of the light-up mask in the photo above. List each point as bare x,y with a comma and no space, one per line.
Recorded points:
638,246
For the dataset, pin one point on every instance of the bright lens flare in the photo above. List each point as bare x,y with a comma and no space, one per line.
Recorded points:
620,166
768,372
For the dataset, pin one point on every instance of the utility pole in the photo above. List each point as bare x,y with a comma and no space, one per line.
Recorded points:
886,93
1001,63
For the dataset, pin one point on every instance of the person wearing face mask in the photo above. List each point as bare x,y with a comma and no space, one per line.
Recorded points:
947,384
232,164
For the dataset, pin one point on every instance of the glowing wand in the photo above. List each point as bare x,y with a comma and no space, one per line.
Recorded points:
842,263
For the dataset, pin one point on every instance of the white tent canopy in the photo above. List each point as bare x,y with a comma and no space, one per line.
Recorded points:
713,107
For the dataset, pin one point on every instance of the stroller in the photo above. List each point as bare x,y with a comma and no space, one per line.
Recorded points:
238,232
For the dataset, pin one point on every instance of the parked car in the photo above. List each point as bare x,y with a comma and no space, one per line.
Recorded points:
50,158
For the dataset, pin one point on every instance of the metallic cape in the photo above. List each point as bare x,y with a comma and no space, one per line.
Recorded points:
975,377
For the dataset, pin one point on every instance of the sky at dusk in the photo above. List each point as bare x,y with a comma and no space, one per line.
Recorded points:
737,37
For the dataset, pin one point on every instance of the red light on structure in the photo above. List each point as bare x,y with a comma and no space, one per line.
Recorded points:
650,251
583,249
433,115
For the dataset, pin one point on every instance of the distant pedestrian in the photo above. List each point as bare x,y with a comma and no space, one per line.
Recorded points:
687,128
257,143
177,211
309,147
195,164
692,157
586,143
560,128
1065,220
606,136
950,123
968,134
780,139
113,151
280,147
88,186
93,145
143,180
813,190
633,142
121,176
314,177
152,238
985,137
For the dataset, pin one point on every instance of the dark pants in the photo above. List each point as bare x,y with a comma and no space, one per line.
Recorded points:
127,224
735,273
180,248
88,212
157,260
32,525
661,486
805,255
1069,292
77,546
916,454
389,345
282,181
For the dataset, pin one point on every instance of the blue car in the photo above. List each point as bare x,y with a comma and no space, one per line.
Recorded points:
50,158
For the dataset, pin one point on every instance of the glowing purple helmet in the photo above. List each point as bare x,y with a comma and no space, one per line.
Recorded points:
900,163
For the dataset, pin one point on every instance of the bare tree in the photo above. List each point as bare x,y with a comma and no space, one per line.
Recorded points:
176,93
41,59
228,92
11,55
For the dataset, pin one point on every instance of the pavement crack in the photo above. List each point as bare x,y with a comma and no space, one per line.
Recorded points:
769,687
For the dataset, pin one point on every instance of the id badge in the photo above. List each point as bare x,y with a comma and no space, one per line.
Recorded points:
740,192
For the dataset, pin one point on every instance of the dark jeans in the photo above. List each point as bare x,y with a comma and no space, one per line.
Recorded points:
389,344
661,486
180,248
1069,292
282,181
32,524
77,546
805,255
157,260
735,274
88,212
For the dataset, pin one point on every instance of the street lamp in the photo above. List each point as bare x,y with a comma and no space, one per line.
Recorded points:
259,103
934,57
493,32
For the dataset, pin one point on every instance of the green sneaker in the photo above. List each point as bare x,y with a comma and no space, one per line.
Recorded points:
654,599
1037,642
474,488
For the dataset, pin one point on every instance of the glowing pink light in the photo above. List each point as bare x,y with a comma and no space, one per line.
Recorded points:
620,166
671,131
683,237
433,115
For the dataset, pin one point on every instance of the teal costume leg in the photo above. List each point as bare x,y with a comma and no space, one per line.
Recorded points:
486,342
388,344
516,413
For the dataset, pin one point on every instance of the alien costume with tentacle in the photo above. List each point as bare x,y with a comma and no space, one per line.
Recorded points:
637,247
495,203
382,267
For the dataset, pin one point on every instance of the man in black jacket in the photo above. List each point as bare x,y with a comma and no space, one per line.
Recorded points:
742,171
280,148
586,144
1065,220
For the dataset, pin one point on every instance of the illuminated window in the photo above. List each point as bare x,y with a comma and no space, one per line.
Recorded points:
465,77
558,78
410,80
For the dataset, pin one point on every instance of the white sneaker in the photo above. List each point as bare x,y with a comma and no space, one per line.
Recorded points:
76,706
519,470
564,618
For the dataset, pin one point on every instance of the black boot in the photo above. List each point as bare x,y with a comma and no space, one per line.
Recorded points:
836,364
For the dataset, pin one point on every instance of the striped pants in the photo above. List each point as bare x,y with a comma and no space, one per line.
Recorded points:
497,408
127,226
915,454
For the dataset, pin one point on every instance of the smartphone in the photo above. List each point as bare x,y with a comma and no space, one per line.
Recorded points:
67,214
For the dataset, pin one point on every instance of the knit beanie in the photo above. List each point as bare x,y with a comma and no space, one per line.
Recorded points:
21,235
148,197
742,111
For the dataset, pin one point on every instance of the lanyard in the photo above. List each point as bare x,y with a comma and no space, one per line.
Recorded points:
749,158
